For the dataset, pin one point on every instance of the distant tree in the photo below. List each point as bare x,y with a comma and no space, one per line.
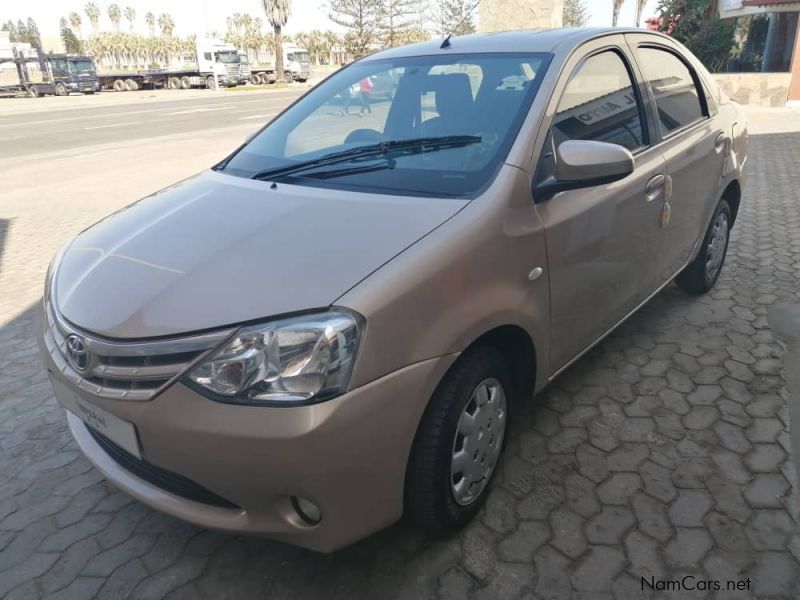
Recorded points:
576,13
93,13
166,24
277,13
72,44
454,17
33,36
12,31
114,15
396,18
75,23
150,19
639,8
130,16
361,18
695,24
616,6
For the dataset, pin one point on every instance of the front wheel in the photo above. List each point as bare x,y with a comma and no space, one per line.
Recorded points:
61,89
288,77
459,443
702,273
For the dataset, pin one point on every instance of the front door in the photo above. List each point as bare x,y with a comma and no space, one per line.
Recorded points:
602,241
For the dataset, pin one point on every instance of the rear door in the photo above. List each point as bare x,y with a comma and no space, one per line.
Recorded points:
692,142
602,241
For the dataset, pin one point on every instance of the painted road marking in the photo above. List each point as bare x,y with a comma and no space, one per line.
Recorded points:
114,125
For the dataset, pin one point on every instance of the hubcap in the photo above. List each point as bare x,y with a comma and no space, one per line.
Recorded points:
478,441
715,252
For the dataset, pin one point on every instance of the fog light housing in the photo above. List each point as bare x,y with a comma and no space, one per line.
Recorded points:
307,510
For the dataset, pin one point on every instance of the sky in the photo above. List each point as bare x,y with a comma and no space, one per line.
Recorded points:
196,16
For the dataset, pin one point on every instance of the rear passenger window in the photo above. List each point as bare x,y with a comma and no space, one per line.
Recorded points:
674,87
599,104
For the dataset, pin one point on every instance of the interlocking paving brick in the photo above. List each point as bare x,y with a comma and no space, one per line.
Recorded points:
665,451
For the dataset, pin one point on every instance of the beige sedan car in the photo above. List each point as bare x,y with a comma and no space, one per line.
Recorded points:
330,327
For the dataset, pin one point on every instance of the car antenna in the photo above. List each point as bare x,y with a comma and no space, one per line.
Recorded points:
446,42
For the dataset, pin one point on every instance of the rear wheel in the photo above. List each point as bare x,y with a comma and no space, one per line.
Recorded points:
186,83
702,273
174,83
61,89
459,443
255,79
119,85
131,85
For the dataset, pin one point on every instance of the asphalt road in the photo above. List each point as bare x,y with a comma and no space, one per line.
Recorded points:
28,128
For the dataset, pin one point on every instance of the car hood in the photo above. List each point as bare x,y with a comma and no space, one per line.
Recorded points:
216,250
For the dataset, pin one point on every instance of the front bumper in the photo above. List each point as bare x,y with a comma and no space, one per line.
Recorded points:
347,455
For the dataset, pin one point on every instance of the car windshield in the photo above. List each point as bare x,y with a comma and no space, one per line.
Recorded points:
300,56
81,66
480,98
228,57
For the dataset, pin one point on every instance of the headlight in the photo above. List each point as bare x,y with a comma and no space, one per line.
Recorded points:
296,360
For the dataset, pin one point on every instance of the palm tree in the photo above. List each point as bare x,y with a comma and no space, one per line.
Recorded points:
615,16
75,23
277,12
130,15
639,8
150,19
93,12
166,23
114,14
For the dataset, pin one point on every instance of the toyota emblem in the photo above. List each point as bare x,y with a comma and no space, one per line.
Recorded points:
77,354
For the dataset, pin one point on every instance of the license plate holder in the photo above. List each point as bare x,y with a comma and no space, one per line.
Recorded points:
119,431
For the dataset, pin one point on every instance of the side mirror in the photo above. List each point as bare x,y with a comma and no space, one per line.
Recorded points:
585,163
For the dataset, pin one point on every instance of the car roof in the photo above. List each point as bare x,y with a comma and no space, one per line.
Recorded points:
528,40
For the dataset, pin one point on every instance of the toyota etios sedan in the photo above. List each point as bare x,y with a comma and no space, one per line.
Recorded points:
330,327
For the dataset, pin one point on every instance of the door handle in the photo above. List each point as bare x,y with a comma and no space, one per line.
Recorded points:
721,142
654,187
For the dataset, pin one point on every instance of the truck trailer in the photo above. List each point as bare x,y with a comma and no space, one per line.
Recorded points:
211,58
296,67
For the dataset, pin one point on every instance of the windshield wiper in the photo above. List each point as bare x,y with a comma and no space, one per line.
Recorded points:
390,149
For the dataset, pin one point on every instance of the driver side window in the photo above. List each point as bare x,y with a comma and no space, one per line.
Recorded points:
599,103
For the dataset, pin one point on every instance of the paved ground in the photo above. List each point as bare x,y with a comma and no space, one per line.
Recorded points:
663,453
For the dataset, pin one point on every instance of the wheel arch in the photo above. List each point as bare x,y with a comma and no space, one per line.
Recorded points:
733,196
519,353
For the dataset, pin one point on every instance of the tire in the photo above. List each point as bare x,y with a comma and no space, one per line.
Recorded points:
33,92
131,85
287,77
174,83
702,273
186,83
61,89
255,79
119,85
431,497
210,82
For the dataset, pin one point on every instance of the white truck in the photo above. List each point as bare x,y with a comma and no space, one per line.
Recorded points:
296,67
211,57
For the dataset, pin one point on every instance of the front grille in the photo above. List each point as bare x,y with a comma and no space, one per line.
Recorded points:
232,70
124,370
161,478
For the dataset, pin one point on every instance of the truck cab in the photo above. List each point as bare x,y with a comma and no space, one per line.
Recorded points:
73,73
297,62
214,57
244,67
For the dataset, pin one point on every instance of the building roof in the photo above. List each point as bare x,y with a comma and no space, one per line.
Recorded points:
769,2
